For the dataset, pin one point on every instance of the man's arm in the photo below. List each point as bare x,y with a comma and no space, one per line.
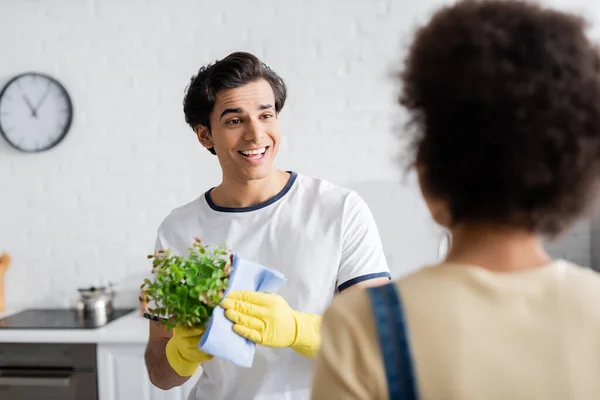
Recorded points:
160,372
363,261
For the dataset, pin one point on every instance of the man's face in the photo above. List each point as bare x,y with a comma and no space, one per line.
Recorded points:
244,131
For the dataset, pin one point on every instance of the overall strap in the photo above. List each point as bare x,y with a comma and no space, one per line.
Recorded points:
393,341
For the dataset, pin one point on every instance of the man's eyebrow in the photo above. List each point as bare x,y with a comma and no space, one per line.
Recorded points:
231,111
240,110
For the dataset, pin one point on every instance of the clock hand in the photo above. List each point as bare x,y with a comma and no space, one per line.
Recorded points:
31,108
43,98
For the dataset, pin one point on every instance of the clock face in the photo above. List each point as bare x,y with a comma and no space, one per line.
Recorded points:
35,112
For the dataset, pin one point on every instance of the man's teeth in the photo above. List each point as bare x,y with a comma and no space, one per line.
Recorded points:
252,152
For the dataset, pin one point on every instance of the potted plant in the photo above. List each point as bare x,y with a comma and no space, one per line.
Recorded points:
184,290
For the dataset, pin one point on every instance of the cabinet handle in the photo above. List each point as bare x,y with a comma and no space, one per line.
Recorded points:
61,381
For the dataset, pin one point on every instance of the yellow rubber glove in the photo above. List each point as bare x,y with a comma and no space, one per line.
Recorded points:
182,351
267,319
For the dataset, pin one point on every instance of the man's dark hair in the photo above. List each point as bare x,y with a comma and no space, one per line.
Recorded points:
504,106
235,70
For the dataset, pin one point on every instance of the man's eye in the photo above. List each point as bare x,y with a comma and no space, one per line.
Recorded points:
267,115
234,121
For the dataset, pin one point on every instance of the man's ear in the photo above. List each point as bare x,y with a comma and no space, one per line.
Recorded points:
204,136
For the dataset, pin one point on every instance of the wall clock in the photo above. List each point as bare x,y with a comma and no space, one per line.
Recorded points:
35,112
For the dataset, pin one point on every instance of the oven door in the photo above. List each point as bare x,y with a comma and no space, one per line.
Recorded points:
48,371
46,384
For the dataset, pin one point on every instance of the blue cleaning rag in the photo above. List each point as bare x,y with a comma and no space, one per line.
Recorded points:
219,339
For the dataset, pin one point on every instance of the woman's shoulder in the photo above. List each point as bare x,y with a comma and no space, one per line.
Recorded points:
449,281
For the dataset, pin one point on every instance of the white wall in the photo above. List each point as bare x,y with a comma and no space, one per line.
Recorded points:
86,212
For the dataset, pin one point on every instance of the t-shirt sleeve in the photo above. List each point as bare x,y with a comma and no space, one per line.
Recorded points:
362,252
164,236
158,245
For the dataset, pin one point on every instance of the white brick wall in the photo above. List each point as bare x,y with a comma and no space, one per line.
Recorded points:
86,212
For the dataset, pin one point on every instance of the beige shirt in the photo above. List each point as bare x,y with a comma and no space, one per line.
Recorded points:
474,334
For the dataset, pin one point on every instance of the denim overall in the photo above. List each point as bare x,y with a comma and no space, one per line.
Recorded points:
393,341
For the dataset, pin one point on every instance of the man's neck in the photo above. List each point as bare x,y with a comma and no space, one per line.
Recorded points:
239,194
495,248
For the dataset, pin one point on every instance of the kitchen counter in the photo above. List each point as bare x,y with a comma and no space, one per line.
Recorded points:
130,328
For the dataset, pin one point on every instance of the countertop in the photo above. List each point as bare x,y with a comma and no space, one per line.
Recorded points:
130,328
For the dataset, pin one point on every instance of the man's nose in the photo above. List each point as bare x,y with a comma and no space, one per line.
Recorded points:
254,131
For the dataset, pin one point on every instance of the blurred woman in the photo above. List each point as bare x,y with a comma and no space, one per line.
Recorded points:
504,100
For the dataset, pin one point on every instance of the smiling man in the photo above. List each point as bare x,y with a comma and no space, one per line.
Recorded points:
321,236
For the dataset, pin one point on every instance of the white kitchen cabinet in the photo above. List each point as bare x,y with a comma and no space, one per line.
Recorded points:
122,375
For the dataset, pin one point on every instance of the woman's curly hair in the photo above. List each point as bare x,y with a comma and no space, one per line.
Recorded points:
504,106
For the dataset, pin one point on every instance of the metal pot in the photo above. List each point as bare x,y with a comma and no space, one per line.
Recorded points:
95,303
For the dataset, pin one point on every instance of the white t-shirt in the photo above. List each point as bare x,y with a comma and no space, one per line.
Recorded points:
321,236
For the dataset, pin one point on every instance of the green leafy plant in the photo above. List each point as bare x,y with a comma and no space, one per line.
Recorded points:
185,290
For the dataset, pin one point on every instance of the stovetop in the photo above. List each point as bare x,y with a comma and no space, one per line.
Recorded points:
38,318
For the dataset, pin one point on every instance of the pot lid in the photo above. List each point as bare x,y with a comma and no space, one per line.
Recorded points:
95,292
92,290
